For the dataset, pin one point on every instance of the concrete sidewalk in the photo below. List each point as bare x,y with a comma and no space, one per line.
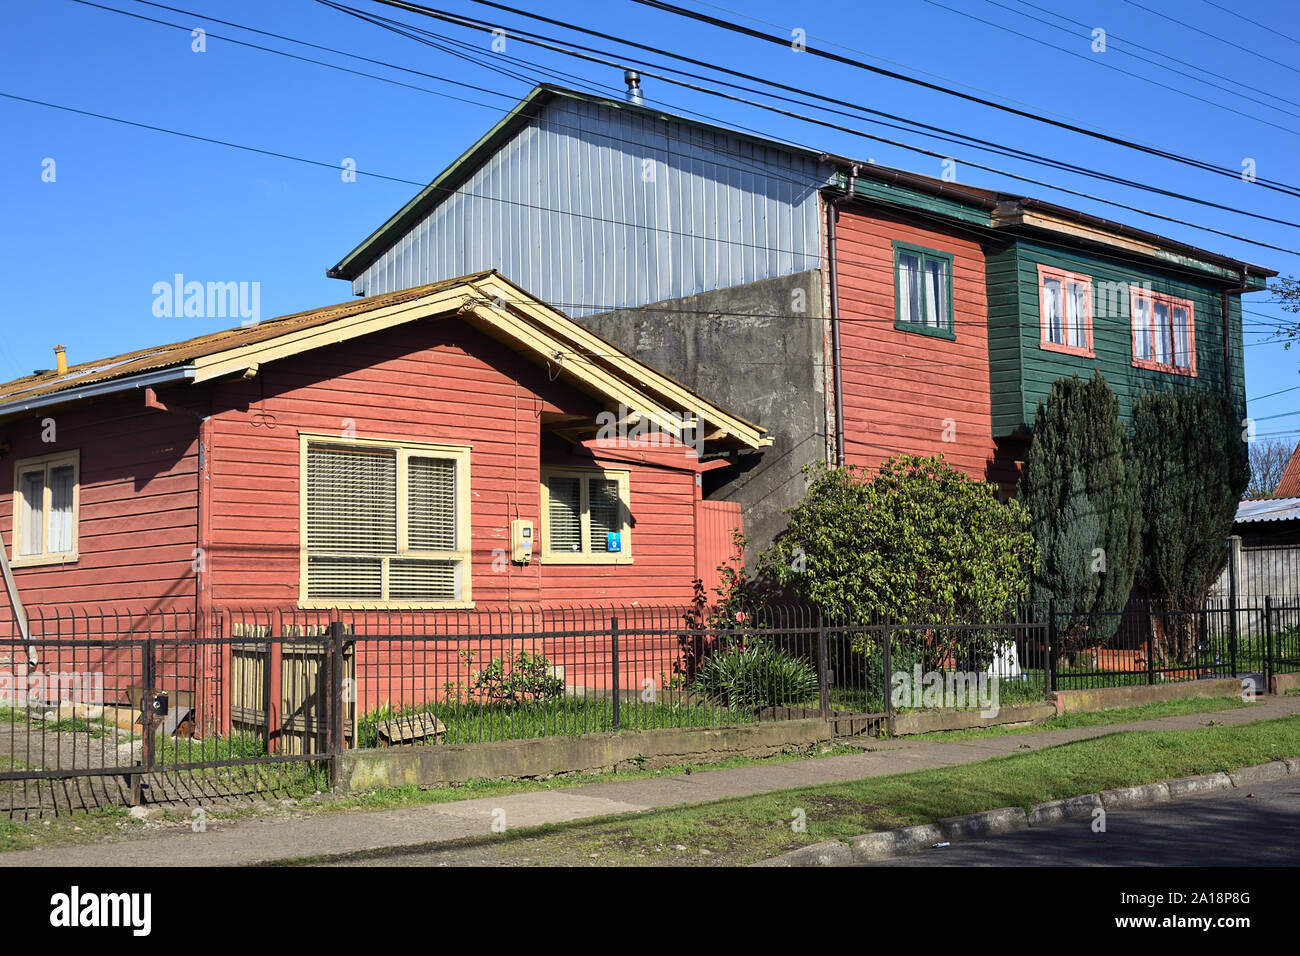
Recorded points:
244,842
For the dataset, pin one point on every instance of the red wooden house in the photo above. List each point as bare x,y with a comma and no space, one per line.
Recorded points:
386,453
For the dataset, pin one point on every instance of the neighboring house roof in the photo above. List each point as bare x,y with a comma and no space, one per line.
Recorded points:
486,300
997,210
1268,509
1288,485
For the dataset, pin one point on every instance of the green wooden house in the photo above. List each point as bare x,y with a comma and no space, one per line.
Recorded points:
1067,292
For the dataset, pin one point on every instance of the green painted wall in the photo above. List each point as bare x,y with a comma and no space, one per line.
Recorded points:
1022,372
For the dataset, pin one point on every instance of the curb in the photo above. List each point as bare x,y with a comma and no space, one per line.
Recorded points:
883,844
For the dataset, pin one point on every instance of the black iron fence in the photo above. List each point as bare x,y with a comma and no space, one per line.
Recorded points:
117,707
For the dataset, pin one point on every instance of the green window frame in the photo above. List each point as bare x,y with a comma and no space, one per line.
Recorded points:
914,311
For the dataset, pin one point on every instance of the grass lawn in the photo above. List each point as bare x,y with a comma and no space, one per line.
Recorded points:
747,829
1117,715
468,723
114,821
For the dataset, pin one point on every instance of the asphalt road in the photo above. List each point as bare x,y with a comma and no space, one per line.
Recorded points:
1259,826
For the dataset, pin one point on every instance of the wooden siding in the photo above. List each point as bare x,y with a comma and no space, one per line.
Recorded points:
900,387
136,532
440,382
1023,371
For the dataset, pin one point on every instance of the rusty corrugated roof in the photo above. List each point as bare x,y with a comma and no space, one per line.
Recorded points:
1289,485
179,353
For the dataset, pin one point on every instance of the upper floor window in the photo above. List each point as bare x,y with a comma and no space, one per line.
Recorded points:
1065,309
385,523
923,290
586,516
46,502
1164,332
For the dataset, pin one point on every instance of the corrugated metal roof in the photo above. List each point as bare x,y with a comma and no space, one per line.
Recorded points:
178,353
1289,485
522,321
1268,509
530,107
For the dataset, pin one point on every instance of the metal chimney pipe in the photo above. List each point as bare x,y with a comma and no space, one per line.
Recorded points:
633,80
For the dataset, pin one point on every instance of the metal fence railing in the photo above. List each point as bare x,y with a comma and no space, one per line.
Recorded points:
113,706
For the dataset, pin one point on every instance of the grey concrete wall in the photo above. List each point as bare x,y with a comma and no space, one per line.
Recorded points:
750,349
437,766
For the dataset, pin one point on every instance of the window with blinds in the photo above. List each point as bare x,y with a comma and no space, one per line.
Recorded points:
45,509
384,523
586,515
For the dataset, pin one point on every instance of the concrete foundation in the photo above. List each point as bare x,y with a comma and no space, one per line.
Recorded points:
1106,698
437,766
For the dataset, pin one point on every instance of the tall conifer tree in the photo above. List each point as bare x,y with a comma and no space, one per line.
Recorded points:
1080,485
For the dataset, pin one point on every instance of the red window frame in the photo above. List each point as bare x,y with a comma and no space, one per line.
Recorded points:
1137,294
1045,272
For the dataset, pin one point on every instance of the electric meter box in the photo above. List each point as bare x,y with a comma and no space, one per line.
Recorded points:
521,540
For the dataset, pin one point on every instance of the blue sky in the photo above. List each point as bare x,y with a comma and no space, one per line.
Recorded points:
130,207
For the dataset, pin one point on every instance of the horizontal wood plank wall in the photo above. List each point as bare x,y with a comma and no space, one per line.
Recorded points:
1113,332
440,382
901,387
136,532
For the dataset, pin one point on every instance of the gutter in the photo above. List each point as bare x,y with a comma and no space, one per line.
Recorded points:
95,389
897,177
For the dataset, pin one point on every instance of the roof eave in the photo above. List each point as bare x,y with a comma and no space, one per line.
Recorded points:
162,376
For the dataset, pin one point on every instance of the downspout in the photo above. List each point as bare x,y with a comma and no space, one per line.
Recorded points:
832,257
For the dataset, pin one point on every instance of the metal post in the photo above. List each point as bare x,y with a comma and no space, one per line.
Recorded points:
334,701
1268,644
822,669
1232,604
889,669
1151,644
146,722
1049,665
613,630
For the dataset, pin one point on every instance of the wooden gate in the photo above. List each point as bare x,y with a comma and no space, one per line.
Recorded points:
279,690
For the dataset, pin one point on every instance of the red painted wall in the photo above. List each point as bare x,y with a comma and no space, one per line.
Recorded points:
901,387
433,382
136,534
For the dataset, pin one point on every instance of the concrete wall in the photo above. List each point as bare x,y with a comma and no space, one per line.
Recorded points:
1105,698
593,753
752,350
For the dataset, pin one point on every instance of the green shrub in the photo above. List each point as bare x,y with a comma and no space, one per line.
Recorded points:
756,674
518,678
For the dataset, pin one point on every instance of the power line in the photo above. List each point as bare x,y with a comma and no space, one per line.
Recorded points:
849,61
1270,27
935,132
1110,66
334,167
507,96
907,146
1237,91
1213,36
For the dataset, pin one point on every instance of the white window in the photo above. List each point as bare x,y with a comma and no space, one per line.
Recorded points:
586,516
1164,332
46,501
385,523
923,290
1066,311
